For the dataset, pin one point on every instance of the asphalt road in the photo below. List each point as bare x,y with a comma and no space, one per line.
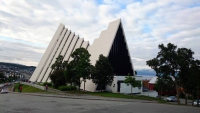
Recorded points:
20,103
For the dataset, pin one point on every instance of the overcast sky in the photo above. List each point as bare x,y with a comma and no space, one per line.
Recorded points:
27,26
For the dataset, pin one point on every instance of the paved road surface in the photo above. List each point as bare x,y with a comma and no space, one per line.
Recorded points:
20,103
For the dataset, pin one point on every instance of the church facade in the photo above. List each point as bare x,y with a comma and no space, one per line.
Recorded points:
111,43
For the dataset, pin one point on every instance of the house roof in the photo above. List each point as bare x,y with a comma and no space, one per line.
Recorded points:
153,80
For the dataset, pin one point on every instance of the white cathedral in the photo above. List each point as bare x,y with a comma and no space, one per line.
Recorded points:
111,43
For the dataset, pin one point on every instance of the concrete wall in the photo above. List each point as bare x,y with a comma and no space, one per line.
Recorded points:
63,43
47,53
113,86
124,88
47,67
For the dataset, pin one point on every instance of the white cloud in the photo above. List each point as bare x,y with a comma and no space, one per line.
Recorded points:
146,24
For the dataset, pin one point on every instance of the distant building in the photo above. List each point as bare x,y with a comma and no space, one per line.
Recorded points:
152,82
111,43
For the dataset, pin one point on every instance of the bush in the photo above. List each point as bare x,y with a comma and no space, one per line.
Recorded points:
67,88
47,83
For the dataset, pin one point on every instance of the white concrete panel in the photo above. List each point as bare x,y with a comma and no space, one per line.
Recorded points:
127,89
113,86
89,86
64,49
63,42
102,45
52,56
78,45
47,53
47,74
71,47
85,45
56,55
48,80
66,46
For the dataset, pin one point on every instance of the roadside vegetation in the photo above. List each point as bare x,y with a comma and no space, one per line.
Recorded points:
177,66
68,75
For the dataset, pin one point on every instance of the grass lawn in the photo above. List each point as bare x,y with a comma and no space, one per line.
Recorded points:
30,89
27,88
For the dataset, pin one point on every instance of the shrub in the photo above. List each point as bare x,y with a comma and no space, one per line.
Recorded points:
67,88
47,83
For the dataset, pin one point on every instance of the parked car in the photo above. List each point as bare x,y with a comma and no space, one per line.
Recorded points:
171,99
4,91
195,102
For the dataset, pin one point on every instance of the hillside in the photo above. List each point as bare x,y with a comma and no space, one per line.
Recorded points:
20,66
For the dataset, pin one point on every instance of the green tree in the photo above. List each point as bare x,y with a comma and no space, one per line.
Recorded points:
185,59
58,78
130,80
57,75
81,65
58,63
165,64
103,72
163,83
195,77
70,74
176,63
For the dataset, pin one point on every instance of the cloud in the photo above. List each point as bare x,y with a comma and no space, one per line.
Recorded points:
26,27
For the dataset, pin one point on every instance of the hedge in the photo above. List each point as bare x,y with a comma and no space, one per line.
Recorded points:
67,88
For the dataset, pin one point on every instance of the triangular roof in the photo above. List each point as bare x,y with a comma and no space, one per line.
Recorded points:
118,54
112,44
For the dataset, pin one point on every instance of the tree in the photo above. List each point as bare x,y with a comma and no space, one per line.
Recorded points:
58,63
69,74
185,59
81,65
163,84
195,77
58,78
57,75
103,72
165,64
130,80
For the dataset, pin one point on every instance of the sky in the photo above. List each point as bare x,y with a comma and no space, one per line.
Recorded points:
27,26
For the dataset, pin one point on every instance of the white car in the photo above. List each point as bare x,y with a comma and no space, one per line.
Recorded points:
4,91
195,102
171,99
